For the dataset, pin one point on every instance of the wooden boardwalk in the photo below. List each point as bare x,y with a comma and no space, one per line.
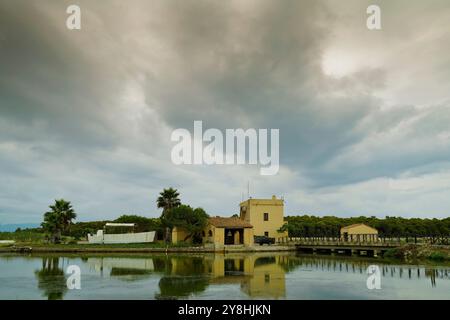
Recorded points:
345,247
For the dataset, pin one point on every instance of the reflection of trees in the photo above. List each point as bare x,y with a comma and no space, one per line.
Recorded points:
173,287
431,273
51,279
130,274
334,264
184,276
265,261
289,264
162,264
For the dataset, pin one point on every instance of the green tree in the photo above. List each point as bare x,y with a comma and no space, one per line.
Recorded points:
192,220
59,219
167,200
435,230
143,224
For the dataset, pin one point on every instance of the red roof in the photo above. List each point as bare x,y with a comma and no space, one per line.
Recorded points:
221,222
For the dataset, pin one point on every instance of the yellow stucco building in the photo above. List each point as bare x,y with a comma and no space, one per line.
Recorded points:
221,231
258,217
266,216
359,233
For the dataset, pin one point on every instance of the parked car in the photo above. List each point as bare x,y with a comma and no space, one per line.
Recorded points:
263,239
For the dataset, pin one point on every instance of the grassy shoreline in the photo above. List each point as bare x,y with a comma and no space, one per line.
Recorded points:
405,252
420,252
133,248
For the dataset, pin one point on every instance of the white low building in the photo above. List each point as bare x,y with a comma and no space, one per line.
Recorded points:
7,242
104,238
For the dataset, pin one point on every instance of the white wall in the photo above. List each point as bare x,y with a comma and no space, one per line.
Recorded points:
140,237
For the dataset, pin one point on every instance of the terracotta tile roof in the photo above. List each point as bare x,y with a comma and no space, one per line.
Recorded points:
233,222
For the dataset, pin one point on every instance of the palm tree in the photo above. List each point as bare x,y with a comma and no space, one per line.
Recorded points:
66,211
167,200
58,220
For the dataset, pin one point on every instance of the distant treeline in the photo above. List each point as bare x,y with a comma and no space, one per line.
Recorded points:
435,230
80,230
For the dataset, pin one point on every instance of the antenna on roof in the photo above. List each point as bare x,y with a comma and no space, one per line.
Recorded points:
248,189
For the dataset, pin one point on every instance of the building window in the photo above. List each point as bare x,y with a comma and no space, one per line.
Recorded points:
266,233
210,233
267,278
266,216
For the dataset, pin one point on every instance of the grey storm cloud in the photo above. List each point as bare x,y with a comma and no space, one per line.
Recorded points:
87,115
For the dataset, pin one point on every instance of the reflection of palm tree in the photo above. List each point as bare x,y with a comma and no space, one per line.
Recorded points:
130,274
51,279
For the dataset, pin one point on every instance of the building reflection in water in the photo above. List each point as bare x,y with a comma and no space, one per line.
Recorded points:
258,275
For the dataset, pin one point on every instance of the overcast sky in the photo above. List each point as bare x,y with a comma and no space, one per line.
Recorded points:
86,115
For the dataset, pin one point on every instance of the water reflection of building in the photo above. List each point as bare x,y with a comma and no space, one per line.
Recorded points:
258,275
268,280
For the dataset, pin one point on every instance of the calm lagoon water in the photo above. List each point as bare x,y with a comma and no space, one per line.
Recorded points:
209,276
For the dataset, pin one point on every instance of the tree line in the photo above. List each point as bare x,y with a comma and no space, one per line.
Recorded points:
59,221
433,230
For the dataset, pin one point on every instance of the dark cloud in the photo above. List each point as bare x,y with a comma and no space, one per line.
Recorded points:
90,112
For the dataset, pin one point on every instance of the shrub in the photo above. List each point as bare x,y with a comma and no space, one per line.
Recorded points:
393,253
26,235
437,256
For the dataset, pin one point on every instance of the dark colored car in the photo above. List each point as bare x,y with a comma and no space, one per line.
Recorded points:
263,239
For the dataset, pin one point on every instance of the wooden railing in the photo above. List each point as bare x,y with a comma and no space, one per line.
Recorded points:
339,242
